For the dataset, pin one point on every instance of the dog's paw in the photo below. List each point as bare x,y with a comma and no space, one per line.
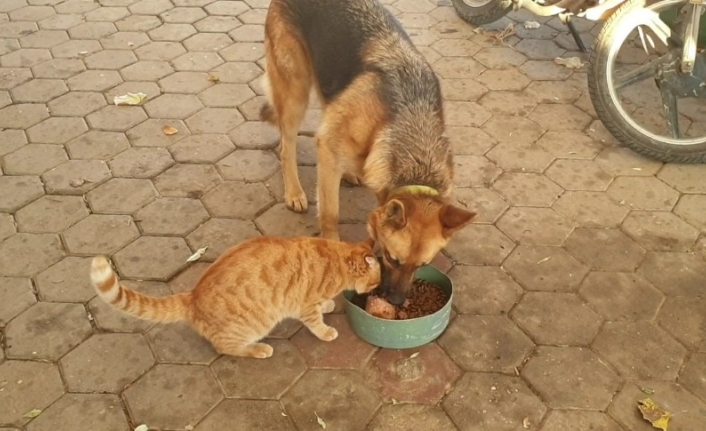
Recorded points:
328,306
297,202
330,334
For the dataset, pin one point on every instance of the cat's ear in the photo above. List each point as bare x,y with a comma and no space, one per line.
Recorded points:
371,261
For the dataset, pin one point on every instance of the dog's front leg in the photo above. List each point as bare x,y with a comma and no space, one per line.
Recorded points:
329,174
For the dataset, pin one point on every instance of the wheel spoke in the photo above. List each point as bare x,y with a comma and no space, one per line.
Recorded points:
638,74
671,113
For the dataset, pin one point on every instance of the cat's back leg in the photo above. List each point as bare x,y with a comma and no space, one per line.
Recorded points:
234,344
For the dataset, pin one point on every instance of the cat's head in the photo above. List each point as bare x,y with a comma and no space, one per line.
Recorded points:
364,268
411,231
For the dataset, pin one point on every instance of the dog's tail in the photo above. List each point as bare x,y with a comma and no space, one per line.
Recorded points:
166,309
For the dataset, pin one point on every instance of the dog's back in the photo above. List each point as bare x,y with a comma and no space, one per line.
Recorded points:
347,38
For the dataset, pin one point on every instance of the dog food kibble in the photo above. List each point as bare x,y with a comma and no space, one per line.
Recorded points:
423,299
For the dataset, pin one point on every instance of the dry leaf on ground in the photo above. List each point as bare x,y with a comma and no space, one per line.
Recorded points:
32,414
130,99
196,256
213,78
169,130
656,415
320,421
500,35
571,62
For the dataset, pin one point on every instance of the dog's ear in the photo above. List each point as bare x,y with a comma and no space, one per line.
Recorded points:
395,214
454,219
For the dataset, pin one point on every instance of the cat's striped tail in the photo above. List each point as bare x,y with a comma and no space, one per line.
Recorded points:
165,309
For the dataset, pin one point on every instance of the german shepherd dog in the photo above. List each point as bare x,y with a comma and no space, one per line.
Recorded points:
382,126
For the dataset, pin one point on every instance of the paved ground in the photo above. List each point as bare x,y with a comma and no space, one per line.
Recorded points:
579,288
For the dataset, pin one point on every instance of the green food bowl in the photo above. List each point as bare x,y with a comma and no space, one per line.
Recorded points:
403,334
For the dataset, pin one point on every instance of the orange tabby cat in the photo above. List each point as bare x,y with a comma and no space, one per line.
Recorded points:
253,286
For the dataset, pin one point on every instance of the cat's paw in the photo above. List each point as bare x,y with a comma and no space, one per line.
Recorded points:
261,351
330,334
328,306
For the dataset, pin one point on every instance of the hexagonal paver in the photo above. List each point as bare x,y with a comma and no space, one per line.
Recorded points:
171,216
669,396
94,80
480,245
215,120
270,222
27,385
172,32
76,104
34,159
183,15
237,200
56,130
193,392
7,226
515,129
579,175
248,165
693,377
675,274
486,290
197,61
536,49
160,50
557,318
185,82
693,209
96,144
559,420
17,191
484,202
121,196
177,106
571,377
27,57
559,117
533,190
644,193
493,401
10,140
346,351
421,376
465,114
660,231
217,24
179,343
185,180
51,214
464,90
398,417
201,148
116,118
47,331
545,268
157,133
591,209
152,258
568,144
252,378
226,95
18,296
109,319
474,171
685,318
251,414
100,234
503,80
485,343
340,398
141,162
621,296
527,157
22,115
605,249
683,178
539,226
39,91
26,254
92,367
254,135
640,350
66,281
73,411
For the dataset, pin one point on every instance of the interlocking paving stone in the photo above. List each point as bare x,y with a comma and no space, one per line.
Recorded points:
27,385
624,233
